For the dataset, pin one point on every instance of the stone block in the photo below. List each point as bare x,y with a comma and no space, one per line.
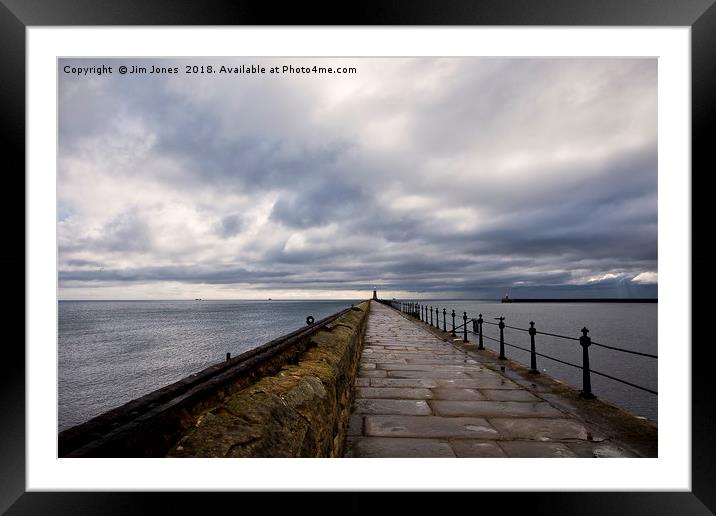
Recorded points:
475,449
494,409
429,426
542,429
391,406
393,393
396,447
529,449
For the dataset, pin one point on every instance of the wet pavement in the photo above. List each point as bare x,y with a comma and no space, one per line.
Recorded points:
420,396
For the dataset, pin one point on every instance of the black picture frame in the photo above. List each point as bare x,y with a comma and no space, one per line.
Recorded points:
17,15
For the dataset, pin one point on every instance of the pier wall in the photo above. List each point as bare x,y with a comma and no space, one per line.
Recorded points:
301,411
289,397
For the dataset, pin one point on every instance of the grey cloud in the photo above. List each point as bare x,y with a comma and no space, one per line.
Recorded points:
275,139
125,233
230,226
320,203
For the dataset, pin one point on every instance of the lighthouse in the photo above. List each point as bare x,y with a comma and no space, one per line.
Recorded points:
375,295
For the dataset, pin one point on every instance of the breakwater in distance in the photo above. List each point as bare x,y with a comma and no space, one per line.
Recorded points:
632,326
290,397
582,300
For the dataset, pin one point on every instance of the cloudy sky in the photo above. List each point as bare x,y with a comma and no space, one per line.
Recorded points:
459,177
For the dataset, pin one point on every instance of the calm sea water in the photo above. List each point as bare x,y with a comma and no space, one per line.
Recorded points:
625,325
111,352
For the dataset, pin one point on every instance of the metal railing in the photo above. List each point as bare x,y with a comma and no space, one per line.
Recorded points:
424,313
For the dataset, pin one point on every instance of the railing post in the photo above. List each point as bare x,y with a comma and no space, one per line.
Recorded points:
502,338
586,341
533,353
453,324
479,329
431,316
464,327
444,320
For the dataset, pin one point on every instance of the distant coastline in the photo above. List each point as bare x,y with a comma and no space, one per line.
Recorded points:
586,300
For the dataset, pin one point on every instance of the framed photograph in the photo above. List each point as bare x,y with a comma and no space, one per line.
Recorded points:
178,157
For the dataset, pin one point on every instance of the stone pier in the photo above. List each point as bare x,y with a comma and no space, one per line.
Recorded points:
421,393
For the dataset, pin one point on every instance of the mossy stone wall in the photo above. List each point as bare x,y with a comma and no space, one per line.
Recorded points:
301,411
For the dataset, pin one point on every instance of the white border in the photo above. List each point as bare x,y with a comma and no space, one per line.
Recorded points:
671,471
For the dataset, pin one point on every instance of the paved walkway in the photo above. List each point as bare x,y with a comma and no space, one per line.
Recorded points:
419,396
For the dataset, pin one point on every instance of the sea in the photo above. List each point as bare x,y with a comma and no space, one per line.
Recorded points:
111,352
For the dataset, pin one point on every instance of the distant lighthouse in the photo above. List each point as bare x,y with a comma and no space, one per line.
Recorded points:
375,295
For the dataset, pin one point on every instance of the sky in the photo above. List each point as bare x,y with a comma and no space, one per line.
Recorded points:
420,177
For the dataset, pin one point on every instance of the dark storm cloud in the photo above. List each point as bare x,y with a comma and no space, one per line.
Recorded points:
495,174
230,226
320,203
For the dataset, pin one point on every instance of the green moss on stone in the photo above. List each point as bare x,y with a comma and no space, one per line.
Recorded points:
297,412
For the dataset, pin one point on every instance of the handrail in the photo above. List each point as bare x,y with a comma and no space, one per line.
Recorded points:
421,312
625,350
578,367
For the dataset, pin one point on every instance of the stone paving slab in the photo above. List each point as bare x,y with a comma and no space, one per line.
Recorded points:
422,356
416,393
393,447
402,382
599,450
541,429
458,394
419,396
428,374
493,408
472,383
355,425
429,426
391,406
475,449
442,368
528,449
372,373
508,395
